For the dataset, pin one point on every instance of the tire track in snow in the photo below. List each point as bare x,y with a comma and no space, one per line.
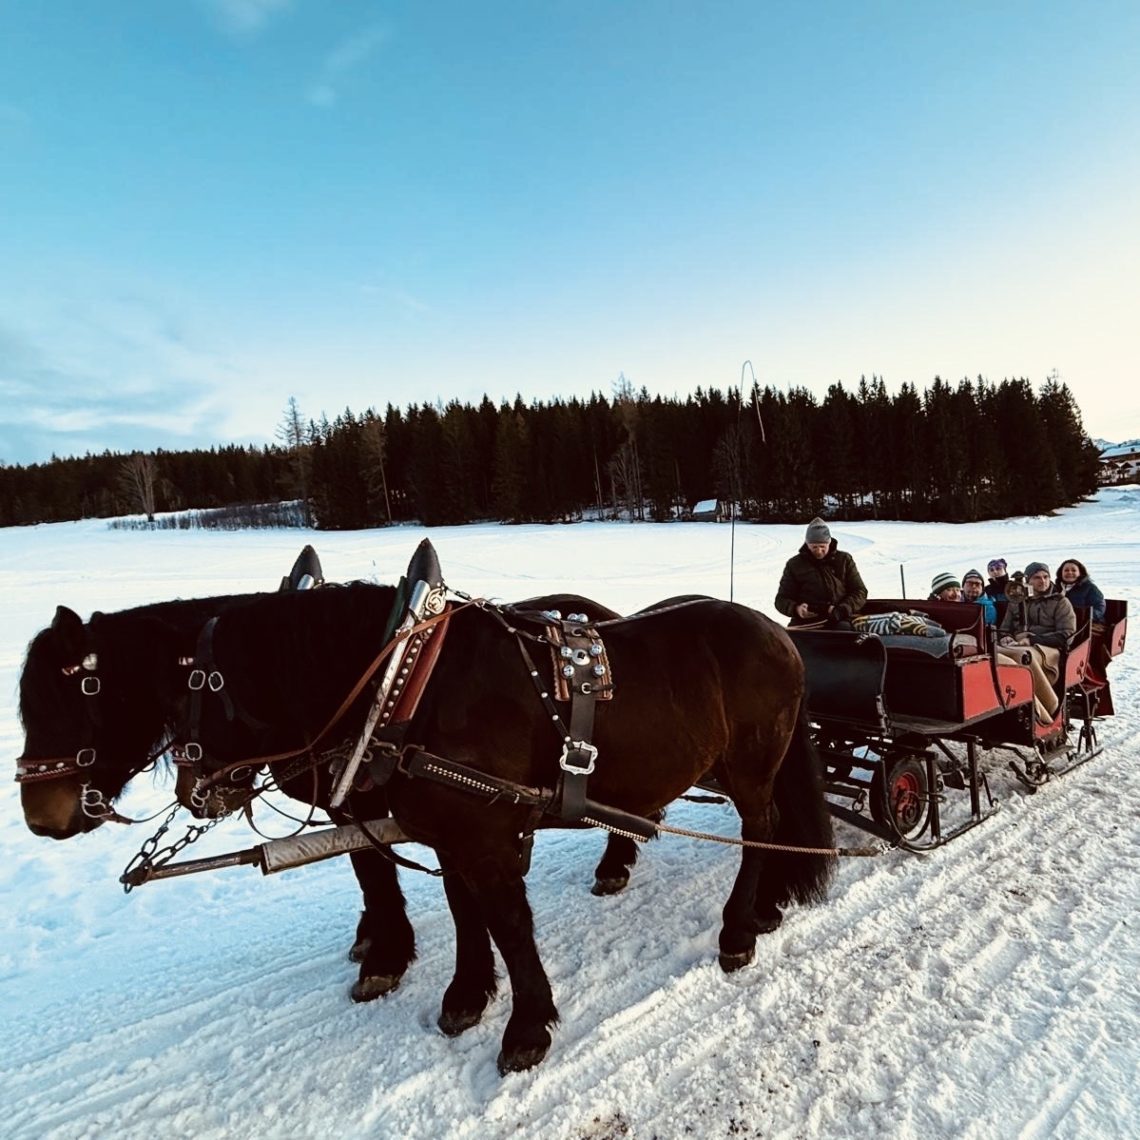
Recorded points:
877,951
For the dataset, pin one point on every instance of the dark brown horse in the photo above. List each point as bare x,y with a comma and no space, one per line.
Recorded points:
98,700
90,730
702,689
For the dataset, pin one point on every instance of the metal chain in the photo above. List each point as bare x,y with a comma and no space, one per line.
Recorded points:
151,856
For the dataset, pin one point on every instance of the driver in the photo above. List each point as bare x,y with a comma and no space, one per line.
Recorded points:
820,583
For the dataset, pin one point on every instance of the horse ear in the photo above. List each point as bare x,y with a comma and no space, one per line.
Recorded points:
67,626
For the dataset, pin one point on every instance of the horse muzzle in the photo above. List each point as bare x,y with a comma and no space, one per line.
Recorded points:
54,809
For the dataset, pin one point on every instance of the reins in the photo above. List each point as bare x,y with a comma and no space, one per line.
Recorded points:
254,762
841,852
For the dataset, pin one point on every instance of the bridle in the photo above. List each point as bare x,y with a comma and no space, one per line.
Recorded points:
92,802
56,767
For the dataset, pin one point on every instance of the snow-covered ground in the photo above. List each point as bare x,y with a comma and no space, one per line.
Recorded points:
990,989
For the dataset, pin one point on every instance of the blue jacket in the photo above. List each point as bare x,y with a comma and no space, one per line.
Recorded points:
1085,592
987,604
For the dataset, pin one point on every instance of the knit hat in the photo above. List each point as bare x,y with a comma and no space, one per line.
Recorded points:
1033,567
973,574
942,582
997,564
817,531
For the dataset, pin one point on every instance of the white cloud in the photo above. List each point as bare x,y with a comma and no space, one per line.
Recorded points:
113,371
349,55
321,95
394,295
245,17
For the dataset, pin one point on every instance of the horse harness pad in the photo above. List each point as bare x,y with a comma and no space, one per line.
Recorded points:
400,703
582,676
420,596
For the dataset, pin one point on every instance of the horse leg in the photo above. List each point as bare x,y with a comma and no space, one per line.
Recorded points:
747,913
384,937
497,886
612,873
473,983
360,861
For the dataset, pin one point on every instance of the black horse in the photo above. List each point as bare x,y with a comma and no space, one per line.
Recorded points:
90,730
99,699
703,689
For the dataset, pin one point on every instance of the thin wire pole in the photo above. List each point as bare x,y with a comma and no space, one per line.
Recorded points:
737,490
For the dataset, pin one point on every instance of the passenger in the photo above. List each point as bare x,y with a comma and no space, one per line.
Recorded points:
945,588
999,579
820,583
1044,624
974,590
1074,582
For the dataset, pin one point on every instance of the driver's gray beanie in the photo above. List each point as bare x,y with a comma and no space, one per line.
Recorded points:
817,531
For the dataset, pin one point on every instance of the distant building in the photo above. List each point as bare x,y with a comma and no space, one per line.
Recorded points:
710,510
1120,463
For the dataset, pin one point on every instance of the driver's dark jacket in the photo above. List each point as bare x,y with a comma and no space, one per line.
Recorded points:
832,580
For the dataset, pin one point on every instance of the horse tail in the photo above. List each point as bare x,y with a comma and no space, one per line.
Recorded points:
804,821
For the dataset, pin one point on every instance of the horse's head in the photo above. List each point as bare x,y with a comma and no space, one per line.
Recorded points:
97,701
87,726
206,799
273,679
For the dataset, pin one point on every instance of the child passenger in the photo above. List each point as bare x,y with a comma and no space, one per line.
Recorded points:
945,587
998,571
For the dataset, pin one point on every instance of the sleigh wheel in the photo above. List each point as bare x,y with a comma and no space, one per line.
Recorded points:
900,797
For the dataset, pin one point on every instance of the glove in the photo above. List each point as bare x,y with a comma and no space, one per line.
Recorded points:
841,613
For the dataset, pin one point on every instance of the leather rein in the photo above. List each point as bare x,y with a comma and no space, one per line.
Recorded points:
189,754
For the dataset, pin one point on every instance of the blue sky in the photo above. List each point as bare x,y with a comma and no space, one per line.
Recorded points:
207,207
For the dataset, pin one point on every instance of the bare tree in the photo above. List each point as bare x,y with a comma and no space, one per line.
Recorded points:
138,474
294,436
628,460
624,480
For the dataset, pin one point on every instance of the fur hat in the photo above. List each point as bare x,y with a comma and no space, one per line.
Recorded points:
996,564
943,581
973,574
817,531
1034,567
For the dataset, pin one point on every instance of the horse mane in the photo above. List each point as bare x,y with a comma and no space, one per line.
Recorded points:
257,647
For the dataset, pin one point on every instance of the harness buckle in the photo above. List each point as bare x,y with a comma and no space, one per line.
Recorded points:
89,686
196,680
192,751
215,680
578,757
85,757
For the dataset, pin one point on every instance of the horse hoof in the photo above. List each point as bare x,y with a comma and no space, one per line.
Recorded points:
453,1024
360,950
611,886
519,1060
732,962
377,986
766,923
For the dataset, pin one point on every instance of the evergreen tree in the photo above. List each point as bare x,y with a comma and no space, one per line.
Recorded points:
510,477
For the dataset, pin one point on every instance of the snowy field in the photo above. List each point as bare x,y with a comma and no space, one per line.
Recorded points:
991,989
